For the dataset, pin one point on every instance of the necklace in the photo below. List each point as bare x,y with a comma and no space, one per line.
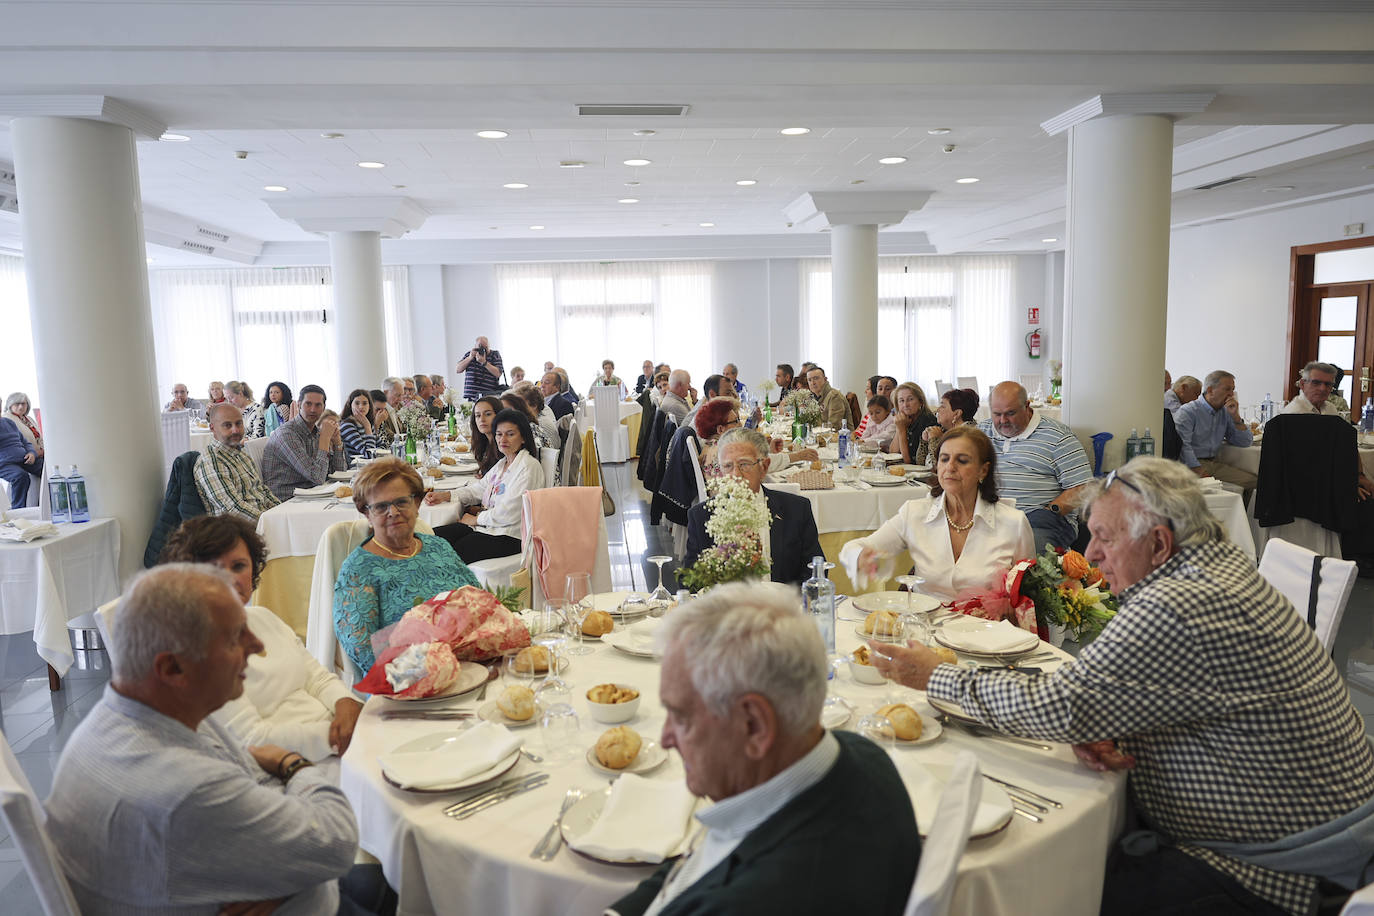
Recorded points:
399,556
957,527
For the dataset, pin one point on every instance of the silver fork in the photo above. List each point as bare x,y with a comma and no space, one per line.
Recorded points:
552,840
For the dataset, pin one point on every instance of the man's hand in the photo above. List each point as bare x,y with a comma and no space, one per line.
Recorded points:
1103,756
910,667
479,356
293,410
1233,409
329,431
30,457
438,496
806,454
1364,488
269,757
252,908
345,719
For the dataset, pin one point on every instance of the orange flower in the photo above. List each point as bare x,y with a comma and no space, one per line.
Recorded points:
1075,565
1094,577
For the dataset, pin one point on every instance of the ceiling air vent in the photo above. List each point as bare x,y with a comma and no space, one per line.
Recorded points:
1223,183
634,111
198,247
212,234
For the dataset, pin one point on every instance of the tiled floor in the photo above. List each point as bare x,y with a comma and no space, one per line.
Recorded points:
37,722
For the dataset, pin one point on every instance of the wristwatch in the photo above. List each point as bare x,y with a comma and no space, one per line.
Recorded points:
292,768
1054,507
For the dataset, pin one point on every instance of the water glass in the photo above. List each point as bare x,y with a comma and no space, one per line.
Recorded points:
578,593
559,730
878,729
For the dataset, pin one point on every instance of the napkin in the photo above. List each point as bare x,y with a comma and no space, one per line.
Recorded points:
479,748
644,819
645,631
924,788
322,490
1002,636
24,530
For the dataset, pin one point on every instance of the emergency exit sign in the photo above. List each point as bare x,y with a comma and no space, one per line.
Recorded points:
1032,316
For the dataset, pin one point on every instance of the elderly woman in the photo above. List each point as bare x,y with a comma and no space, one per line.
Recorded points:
660,388
276,407
957,408
216,392
913,416
608,377
241,396
960,537
491,528
542,418
288,698
514,400
357,429
382,578
21,456
713,418
17,410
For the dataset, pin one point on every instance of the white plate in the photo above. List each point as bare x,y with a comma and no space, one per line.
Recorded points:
491,712
446,484
881,479
865,635
894,601
562,666
953,710
470,676
582,816
610,603
622,641
835,715
439,739
459,469
949,636
323,491
930,730
344,476
649,758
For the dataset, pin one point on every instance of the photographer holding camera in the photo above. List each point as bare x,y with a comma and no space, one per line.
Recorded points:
483,368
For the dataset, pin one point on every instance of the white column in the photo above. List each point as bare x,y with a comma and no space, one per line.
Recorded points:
87,274
854,304
355,258
1117,277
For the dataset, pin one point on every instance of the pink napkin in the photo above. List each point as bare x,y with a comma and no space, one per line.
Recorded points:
562,527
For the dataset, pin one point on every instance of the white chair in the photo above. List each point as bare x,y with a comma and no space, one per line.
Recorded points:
1289,568
1361,903
104,623
1031,383
968,381
601,568
942,386
24,818
255,447
176,438
548,457
933,888
693,454
572,455
612,437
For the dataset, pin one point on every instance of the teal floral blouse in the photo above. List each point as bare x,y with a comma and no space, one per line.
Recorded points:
374,592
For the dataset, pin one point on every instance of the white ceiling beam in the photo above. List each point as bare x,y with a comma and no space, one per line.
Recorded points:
91,107
1109,104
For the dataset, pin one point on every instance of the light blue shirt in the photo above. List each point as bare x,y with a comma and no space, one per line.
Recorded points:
1203,428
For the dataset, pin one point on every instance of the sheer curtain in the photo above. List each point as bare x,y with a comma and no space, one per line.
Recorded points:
578,314
17,370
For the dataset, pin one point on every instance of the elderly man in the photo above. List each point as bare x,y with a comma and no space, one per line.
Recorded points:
303,451
797,808
565,387
1237,725
1204,424
483,368
791,539
1040,463
741,390
386,425
834,408
226,477
553,398
675,400
1183,391
156,808
181,399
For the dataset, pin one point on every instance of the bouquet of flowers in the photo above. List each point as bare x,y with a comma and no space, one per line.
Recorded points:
804,406
736,522
998,604
1057,371
415,421
1067,591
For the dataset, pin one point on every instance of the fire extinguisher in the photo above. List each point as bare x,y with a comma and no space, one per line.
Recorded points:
1033,344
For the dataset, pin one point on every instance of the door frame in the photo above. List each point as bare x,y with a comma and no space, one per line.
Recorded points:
1301,341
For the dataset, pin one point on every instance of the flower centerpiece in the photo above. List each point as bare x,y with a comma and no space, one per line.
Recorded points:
804,406
415,421
1067,591
736,521
1056,376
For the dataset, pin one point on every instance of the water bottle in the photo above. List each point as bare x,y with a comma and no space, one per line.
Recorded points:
1147,443
1266,409
1132,445
843,444
57,496
76,497
818,600
1367,417
411,455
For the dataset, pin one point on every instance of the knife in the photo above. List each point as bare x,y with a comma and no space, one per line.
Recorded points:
437,715
498,797
982,731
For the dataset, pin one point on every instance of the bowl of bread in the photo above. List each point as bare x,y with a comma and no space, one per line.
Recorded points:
861,667
613,703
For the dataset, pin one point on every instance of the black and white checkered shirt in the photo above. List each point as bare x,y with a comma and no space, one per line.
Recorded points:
1240,725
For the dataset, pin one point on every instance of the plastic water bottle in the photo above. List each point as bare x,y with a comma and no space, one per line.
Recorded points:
818,600
1266,409
76,497
1132,445
843,445
1147,443
1367,417
57,496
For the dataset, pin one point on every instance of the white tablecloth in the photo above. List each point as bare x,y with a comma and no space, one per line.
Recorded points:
45,583
1229,508
847,509
294,528
482,864
201,439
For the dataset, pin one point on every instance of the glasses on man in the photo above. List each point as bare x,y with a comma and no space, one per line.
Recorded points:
400,505
743,464
1113,477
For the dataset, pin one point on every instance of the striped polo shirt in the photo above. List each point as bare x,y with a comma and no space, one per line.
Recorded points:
1043,461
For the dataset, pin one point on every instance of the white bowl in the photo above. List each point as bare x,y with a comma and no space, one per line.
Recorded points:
615,713
866,674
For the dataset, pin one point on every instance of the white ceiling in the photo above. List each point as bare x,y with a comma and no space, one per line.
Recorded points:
409,82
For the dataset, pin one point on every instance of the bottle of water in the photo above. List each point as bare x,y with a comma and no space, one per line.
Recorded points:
1367,417
1132,445
818,600
843,445
76,497
1147,443
57,496
1266,409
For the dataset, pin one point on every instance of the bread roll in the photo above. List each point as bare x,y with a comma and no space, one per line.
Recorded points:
597,623
462,447
448,460
618,747
343,491
816,465
532,660
946,655
897,471
906,724
611,693
434,472
861,656
881,623
516,703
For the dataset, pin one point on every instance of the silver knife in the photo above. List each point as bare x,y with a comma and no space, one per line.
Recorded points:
446,714
982,731
496,799
1024,791
511,782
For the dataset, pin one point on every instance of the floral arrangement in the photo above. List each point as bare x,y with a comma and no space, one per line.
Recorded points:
415,420
998,605
804,406
1057,371
1067,591
736,520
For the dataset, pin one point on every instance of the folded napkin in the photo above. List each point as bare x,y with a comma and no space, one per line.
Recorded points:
24,530
645,631
644,820
1209,483
479,748
326,489
925,788
1002,636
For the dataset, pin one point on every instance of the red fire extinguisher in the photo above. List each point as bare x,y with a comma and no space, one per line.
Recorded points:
1033,344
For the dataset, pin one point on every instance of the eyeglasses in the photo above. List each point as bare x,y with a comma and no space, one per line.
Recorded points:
400,505
1113,478
744,464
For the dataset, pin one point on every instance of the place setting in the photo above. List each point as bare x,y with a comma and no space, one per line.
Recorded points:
635,821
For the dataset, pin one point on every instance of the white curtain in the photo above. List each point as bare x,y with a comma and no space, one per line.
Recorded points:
17,370
578,314
938,317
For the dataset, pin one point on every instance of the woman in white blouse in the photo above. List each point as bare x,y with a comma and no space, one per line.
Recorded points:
491,528
961,537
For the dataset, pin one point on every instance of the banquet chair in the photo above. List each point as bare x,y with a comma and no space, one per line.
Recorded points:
933,887
254,448
104,624
548,457
693,454
23,816
1031,382
1307,479
1361,903
1319,587
558,526
968,381
571,456
613,437
941,387
176,437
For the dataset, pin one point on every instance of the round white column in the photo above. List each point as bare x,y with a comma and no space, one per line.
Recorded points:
1117,278
854,305
84,259
355,259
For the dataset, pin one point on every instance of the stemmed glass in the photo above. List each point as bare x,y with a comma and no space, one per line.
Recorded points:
578,592
876,728
918,621
552,626
660,598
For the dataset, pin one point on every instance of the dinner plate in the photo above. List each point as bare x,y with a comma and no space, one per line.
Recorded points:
610,603
881,479
950,635
649,758
953,710
439,739
931,729
447,484
470,676
491,712
864,634
344,476
835,715
582,816
894,601
562,666
323,491
623,642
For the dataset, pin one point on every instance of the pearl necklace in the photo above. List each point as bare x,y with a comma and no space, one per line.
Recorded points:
400,556
956,527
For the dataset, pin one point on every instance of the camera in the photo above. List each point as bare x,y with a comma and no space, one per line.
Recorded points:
481,350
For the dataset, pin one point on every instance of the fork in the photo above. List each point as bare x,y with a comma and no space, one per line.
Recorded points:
552,840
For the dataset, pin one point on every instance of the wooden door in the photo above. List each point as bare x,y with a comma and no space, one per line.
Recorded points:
1331,322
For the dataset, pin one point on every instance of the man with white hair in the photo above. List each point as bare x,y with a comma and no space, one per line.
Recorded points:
675,403
797,808
741,390
1248,762
156,807
1203,425
1183,391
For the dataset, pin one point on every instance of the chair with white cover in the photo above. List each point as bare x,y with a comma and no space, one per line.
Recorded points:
24,818
601,568
1361,903
612,437
1032,383
254,448
176,438
548,457
968,381
571,457
1319,587
693,454
942,386
933,888
104,624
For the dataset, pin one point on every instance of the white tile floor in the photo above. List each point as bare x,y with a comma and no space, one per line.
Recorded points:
37,722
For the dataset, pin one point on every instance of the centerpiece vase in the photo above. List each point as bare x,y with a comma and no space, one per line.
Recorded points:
411,454
1055,385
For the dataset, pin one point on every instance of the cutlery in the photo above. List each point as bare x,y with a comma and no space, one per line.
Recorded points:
1024,791
981,731
493,800
499,792
506,783
1026,802
552,840
432,715
1026,814
533,758
1010,666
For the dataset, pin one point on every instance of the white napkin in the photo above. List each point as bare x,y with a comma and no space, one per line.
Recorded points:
479,748
924,788
644,632
24,530
849,559
1000,637
644,819
1209,483
326,489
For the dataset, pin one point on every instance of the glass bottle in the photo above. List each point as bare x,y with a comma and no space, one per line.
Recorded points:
57,496
818,600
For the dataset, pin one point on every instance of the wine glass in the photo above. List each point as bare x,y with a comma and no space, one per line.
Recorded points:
877,728
660,598
917,619
553,634
578,592
558,728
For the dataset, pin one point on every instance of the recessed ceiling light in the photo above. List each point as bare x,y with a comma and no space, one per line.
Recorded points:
572,164
794,131
636,161
645,132
398,186
331,136
707,225
1049,240
966,181
274,187
746,182
493,134
892,160
1278,188
631,184
990,241
174,138
629,200
938,131
515,185
371,165
536,227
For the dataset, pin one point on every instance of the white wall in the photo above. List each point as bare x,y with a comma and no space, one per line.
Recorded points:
470,311
428,320
1228,291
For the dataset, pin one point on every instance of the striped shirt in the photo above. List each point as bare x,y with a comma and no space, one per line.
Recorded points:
1039,464
1203,428
479,379
229,483
293,459
357,443
1240,724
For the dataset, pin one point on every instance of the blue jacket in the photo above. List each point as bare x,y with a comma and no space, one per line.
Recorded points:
14,448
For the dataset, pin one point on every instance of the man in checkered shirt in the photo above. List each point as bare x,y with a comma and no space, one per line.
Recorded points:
1233,720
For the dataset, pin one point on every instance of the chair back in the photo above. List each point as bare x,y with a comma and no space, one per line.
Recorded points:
176,437
933,887
254,448
613,438
1361,903
572,455
601,566
24,818
1308,470
1319,587
695,457
104,624
856,410
1031,382
942,386
548,458
968,381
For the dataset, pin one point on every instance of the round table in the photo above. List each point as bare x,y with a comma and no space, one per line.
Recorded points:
482,864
